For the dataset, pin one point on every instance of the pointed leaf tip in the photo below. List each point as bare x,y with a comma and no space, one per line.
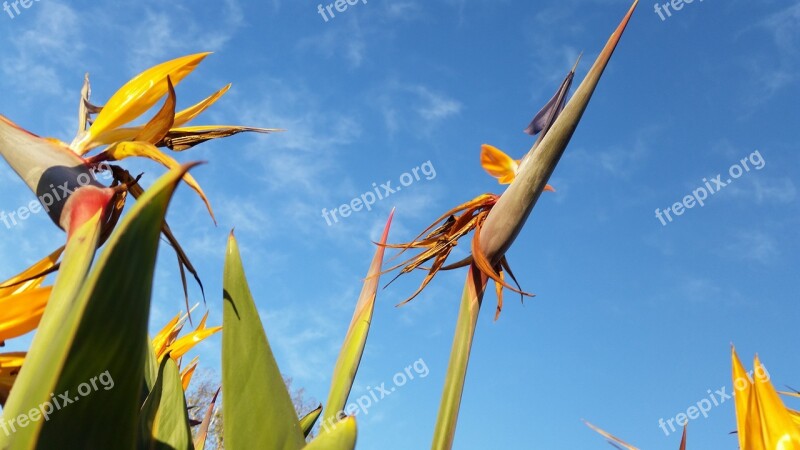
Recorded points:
386,228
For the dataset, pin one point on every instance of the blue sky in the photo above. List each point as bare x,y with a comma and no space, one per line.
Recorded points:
632,321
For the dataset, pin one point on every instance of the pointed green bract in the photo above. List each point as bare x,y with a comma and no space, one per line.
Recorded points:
338,436
344,373
95,329
257,408
509,215
308,421
164,422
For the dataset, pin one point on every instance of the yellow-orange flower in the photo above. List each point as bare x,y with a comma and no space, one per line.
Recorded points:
10,363
167,341
23,299
109,130
763,421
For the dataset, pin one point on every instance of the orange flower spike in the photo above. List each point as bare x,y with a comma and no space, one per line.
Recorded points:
166,336
188,372
21,313
497,164
184,344
32,277
501,166
763,421
10,364
136,97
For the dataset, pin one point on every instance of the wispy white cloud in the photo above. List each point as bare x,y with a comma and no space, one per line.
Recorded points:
462,7
435,106
620,161
700,290
413,106
764,190
298,157
307,338
785,28
347,40
155,37
772,72
781,190
55,41
403,10
753,245
551,53
352,35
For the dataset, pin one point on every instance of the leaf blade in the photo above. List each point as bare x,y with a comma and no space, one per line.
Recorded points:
355,340
254,381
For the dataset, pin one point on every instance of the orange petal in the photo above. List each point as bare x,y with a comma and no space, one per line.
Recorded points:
10,363
21,313
188,372
159,125
186,343
763,421
185,116
124,150
498,164
137,96
15,285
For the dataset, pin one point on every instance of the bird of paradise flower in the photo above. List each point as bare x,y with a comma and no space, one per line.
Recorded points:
496,221
45,163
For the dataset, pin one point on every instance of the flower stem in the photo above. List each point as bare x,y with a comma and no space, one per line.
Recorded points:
471,299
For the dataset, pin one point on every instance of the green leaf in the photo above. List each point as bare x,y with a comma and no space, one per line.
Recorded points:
164,420
344,373
339,436
257,408
150,366
308,421
93,342
39,374
150,371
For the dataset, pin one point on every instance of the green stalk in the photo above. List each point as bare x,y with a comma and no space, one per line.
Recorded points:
447,419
